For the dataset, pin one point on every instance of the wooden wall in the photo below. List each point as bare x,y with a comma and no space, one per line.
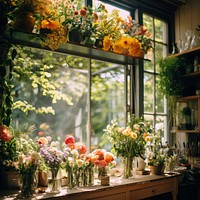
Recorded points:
187,17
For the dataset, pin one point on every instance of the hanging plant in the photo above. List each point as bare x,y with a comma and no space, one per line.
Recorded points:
7,54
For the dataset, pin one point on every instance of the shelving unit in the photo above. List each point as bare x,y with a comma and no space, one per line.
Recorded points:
191,100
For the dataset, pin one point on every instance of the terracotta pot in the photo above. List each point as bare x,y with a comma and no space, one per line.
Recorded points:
24,22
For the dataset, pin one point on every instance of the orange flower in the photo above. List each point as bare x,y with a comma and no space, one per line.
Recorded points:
42,141
81,148
109,157
99,153
51,24
95,16
117,47
107,43
83,12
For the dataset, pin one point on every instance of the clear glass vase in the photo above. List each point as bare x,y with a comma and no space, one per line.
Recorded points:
128,167
54,183
71,179
28,184
90,176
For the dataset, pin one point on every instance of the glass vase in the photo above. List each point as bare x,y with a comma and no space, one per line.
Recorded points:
71,179
28,184
128,167
90,177
54,183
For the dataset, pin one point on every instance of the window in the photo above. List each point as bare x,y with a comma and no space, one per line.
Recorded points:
155,106
63,94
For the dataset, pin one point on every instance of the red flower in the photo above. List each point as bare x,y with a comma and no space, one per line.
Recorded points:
81,148
69,140
5,133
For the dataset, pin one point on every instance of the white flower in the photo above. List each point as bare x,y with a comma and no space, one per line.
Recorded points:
136,126
74,152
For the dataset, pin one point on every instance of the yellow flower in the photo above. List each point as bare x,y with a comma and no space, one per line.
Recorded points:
147,139
133,135
107,43
127,131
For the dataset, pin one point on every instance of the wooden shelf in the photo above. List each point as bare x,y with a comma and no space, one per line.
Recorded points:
190,51
193,74
185,131
188,98
33,40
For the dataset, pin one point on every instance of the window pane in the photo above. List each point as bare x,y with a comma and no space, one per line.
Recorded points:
149,66
160,31
148,23
123,13
160,100
58,85
149,92
160,52
107,97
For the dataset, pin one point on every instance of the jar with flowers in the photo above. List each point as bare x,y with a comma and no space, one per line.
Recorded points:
103,160
8,159
77,164
28,165
156,153
129,142
53,158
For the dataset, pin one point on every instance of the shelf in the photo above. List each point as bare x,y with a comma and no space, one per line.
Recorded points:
191,51
185,131
188,98
33,40
193,74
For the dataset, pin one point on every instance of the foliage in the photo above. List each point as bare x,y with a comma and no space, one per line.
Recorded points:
39,77
170,82
19,144
129,141
7,55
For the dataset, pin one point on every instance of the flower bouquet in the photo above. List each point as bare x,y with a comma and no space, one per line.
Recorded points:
28,165
53,158
156,153
77,164
129,142
103,159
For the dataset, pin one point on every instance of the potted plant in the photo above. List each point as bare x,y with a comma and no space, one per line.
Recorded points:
156,154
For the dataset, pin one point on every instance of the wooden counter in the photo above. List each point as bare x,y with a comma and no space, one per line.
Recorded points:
140,187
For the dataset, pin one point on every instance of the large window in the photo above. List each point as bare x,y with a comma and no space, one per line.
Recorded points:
155,107
63,94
